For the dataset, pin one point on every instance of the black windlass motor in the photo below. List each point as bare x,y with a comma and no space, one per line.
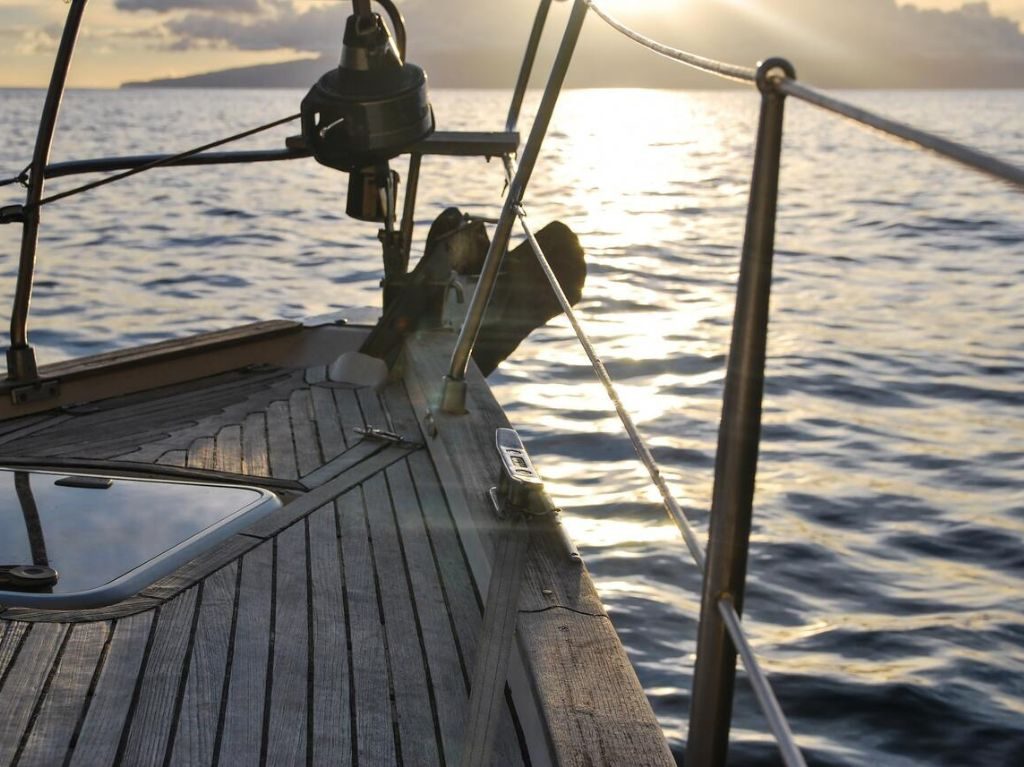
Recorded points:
374,105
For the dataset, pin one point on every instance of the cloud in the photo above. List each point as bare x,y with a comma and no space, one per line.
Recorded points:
165,6
833,42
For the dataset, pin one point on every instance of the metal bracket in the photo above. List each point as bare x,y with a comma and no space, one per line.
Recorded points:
37,391
27,577
12,214
383,435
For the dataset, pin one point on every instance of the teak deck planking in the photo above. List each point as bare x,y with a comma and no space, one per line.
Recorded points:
342,629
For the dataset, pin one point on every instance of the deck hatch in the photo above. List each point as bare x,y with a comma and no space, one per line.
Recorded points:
109,537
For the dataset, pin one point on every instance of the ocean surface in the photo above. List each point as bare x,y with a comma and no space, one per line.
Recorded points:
886,579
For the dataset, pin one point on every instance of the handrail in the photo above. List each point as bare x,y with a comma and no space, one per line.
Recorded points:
951,150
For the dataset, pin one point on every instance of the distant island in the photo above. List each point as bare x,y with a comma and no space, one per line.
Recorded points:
867,44
628,69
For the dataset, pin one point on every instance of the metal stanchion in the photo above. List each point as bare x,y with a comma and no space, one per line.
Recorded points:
738,436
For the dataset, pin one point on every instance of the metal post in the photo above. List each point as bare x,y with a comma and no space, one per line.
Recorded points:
453,396
527,67
738,436
21,359
412,183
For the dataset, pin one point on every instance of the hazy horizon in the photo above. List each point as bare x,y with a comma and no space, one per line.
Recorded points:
835,43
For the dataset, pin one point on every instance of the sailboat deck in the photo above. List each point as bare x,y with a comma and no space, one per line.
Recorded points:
340,630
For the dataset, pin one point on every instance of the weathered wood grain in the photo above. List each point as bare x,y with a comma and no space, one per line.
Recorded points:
448,683
247,686
318,496
255,455
349,413
280,442
24,682
373,408
54,729
201,454
607,711
110,705
151,726
169,349
10,642
328,422
375,737
465,446
413,698
203,565
200,705
307,447
228,445
120,609
174,458
287,721
335,467
332,719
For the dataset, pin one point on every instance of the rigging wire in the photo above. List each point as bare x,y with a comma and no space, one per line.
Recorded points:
21,178
675,511
165,160
712,66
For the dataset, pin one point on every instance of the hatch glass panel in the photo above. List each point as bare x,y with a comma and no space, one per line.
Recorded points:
108,537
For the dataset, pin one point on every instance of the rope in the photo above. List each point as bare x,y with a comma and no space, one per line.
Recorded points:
704,64
165,160
671,506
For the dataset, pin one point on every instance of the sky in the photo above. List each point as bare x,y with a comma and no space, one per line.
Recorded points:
131,40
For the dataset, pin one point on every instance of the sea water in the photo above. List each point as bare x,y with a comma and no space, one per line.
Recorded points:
885,594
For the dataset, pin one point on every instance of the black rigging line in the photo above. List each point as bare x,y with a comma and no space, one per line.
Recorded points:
159,162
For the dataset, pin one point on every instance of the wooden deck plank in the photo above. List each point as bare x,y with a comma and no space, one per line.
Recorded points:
23,684
332,719
375,739
328,422
307,445
174,458
316,374
247,686
607,711
110,704
255,455
171,348
150,730
449,686
407,664
200,706
465,605
286,733
373,409
228,443
202,453
200,567
54,729
335,467
280,442
318,496
349,413
10,643
466,443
